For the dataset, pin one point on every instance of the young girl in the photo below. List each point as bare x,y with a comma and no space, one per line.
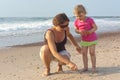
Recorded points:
86,27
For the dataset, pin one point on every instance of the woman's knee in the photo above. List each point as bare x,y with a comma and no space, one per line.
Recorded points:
66,57
44,51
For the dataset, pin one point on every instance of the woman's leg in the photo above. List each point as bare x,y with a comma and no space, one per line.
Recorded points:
93,57
85,58
45,56
59,69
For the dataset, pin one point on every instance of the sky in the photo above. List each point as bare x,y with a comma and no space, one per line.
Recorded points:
49,8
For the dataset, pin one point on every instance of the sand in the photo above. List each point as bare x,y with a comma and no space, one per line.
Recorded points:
23,62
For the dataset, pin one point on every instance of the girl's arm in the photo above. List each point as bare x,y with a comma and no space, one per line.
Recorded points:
84,32
93,29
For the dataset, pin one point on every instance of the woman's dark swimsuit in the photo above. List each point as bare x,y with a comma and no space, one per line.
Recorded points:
59,45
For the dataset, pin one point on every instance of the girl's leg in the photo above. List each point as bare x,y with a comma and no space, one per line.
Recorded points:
93,57
85,58
45,56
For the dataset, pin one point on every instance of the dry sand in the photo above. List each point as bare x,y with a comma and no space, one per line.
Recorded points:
23,62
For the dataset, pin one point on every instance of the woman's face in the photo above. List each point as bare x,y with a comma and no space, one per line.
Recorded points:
64,25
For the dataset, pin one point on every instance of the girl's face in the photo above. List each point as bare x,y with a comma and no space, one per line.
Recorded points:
80,15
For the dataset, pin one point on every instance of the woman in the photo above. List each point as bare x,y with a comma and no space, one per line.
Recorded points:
54,47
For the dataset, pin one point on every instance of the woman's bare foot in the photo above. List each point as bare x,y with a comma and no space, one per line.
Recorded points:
46,73
59,69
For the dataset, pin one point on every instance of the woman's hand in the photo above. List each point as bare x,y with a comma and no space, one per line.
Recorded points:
77,31
78,49
72,66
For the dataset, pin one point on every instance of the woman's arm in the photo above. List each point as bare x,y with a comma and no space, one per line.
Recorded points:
72,40
76,30
52,47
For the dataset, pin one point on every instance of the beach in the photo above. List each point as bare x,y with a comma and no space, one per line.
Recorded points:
23,62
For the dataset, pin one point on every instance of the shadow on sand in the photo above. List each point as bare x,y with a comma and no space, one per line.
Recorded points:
101,71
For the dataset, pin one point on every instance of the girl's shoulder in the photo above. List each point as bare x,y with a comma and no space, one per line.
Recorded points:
76,20
89,18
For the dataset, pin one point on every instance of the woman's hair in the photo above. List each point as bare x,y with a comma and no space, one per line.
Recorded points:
79,8
60,19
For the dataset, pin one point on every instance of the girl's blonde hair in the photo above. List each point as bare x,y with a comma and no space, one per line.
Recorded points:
79,8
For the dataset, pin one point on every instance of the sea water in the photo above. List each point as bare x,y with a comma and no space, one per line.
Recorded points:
26,30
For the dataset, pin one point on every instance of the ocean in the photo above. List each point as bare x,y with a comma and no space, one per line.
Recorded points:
27,30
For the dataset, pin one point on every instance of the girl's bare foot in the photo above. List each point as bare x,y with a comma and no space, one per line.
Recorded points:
84,70
94,71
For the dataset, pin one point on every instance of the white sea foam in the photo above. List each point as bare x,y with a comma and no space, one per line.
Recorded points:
16,31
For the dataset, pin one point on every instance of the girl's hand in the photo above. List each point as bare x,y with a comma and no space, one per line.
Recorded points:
90,31
84,33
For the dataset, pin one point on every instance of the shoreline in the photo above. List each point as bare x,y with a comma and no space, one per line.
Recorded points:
77,38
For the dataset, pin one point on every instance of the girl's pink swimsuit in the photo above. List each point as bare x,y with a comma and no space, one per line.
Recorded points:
86,25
